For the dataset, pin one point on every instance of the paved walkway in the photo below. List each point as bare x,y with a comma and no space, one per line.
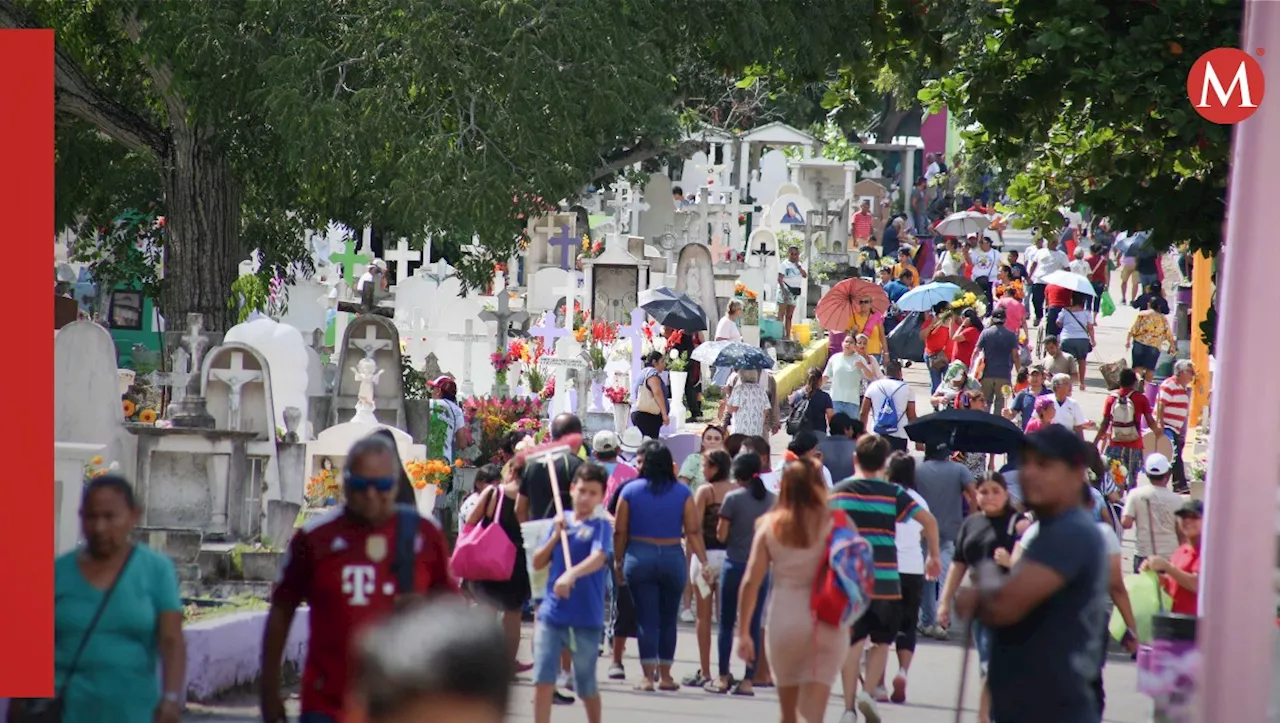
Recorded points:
931,695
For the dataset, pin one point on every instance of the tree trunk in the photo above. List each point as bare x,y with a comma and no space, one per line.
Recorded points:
202,256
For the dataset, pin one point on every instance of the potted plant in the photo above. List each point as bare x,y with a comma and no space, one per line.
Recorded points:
750,305
677,365
430,478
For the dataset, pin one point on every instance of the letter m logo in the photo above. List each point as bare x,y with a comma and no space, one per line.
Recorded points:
1226,85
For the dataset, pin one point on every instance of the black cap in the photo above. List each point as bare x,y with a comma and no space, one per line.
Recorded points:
1057,442
1191,508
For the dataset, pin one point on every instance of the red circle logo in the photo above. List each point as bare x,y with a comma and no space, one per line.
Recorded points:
1226,86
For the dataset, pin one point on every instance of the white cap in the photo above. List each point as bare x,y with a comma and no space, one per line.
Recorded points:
1157,465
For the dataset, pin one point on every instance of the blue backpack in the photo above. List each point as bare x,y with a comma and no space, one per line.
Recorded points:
887,417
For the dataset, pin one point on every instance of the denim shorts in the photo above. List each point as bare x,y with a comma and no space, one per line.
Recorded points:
549,640
982,641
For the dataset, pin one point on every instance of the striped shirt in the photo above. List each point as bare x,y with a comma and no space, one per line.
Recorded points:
1176,400
876,507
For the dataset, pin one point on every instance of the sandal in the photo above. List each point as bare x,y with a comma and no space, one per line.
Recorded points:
719,687
696,680
645,686
669,687
737,690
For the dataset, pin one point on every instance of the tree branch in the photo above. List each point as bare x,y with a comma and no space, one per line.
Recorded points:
76,95
642,151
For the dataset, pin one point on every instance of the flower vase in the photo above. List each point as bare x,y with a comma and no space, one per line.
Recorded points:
597,391
426,499
677,411
500,388
621,417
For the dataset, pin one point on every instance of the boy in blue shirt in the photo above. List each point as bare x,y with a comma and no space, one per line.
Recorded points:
1024,402
572,613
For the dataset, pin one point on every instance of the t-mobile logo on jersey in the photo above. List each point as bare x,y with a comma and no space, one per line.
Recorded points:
358,583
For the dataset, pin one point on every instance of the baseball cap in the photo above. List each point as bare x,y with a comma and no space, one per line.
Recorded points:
1191,508
439,380
1157,465
606,440
1057,442
999,316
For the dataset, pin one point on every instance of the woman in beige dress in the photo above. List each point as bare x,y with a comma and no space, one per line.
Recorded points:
791,544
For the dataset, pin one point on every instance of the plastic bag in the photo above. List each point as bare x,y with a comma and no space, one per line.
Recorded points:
1107,305
1147,598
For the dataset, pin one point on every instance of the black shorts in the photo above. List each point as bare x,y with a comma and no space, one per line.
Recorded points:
880,623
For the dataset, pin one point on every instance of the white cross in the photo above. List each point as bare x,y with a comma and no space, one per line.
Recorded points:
467,338
570,291
235,377
176,378
550,229
401,256
194,340
370,344
417,345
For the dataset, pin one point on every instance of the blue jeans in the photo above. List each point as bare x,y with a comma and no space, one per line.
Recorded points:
853,409
730,582
549,640
656,575
935,375
932,589
982,641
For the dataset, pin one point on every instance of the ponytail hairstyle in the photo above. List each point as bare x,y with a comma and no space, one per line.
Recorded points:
746,472
813,381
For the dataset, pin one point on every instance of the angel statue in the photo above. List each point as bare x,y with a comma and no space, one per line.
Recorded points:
366,372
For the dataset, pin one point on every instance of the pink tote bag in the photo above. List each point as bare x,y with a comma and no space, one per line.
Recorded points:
484,553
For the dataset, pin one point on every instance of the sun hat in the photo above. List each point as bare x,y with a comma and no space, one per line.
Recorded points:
631,440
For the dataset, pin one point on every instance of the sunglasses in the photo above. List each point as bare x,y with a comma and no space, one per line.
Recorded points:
360,484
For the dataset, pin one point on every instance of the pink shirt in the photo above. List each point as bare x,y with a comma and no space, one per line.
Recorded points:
622,473
1014,313
1033,425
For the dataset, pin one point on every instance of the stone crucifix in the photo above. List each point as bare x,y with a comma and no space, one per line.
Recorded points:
176,378
402,255
235,377
468,337
504,315
370,344
195,342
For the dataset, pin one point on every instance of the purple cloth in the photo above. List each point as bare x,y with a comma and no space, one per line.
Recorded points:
926,259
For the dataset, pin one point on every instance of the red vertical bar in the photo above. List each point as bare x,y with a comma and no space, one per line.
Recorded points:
26,517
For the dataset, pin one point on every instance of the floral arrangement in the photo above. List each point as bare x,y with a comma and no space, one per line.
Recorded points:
129,408
676,361
323,486
528,354
548,390
581,317
591,250
502,361
493,417
1119,474
429,472
743,291
968,300
1019,290
95,469
598,336
618,395
135,413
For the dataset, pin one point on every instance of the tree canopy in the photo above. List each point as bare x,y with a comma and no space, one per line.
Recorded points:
246,122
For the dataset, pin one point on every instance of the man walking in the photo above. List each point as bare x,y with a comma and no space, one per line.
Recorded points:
837,447
1153,509
999,349
1173,405
1120,415
876,506
893,405
945,485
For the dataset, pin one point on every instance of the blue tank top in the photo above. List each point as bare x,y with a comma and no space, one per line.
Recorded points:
656,515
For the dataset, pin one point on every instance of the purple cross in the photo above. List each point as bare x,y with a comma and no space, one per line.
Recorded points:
565,241
634,332
548,331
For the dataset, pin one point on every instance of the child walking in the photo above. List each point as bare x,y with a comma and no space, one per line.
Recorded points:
572,613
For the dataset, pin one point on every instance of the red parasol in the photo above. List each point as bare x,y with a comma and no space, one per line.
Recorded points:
836,309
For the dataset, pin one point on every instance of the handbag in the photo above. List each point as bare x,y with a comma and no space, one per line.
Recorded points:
484,552
49,710
646,403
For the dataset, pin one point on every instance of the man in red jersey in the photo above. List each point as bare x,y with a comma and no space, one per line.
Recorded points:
344,566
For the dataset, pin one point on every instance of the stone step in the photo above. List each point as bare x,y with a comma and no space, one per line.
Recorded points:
182,545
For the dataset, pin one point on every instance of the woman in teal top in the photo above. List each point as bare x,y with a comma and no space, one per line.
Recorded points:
114,680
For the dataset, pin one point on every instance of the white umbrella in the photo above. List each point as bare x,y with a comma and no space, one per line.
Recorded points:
963,223
1069,280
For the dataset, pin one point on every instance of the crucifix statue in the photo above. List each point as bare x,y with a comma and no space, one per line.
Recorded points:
235,377
504,315
370,344
191,412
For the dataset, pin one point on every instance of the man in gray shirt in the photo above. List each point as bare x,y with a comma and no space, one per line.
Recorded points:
837,447
945,485
999,349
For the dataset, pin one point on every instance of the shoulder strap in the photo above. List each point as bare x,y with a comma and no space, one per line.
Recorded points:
407,519
93,623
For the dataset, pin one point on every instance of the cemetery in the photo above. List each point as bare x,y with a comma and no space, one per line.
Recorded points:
234,439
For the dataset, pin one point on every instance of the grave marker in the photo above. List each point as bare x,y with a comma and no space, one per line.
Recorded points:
348,260
467,338
402,255
565,241
235,377
504,315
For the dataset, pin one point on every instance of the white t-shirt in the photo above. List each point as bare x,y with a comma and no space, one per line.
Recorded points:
1047,262
1163,502
948,264
790,273
907,537
846,378
1068,413
1079,266
726,330
984,262
451,413
773,480
933,170
880,389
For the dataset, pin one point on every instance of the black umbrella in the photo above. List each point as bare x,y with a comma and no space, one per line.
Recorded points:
965,284
967,430
673,309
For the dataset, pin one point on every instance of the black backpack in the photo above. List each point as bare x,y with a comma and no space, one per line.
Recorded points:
799,417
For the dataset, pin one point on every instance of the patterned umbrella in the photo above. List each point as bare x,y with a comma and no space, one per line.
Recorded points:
673,309
733,355
836,309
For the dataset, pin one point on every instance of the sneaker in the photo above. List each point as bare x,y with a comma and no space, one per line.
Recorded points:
849,717
564,680
867,707
899,689
616,672
880,694
937,632
562,698
686,616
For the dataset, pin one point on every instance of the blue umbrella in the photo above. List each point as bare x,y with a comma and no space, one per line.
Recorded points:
925,297
733,355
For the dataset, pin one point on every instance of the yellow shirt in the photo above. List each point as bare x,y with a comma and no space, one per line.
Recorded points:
1150,329
915,275
875,339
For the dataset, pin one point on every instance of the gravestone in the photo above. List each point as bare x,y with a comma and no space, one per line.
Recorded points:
544,289
614,281
286,353
191,412
65,310
382,344
660,218
542,253
465,352
503,316
86,393
237,389
696,277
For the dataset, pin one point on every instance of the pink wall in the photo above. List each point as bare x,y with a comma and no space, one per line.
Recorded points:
934,132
